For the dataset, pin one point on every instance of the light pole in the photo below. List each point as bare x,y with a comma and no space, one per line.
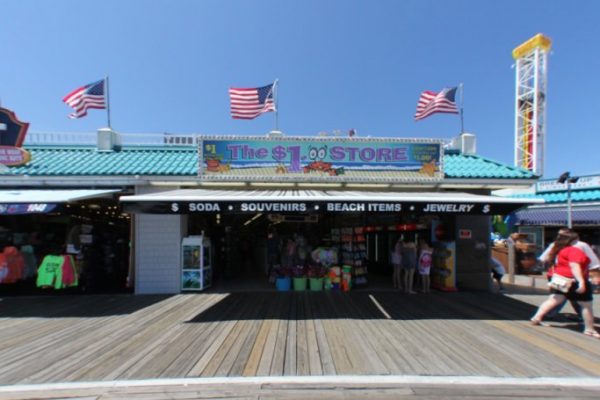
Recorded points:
568,179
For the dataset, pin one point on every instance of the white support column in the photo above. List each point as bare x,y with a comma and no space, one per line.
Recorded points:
157,251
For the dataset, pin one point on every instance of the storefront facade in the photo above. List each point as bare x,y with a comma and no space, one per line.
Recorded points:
233,189
242,190
80,229
542,221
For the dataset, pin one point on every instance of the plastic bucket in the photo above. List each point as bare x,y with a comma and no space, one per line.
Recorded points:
283,284
316,284
299,284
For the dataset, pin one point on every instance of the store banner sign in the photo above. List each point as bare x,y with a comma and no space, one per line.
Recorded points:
26,208
583,182
320,159
10,155
12,136
275,207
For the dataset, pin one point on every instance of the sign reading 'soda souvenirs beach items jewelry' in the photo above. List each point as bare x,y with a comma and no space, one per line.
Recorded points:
321,159
291,207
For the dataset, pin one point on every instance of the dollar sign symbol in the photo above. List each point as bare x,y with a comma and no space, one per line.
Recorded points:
279,153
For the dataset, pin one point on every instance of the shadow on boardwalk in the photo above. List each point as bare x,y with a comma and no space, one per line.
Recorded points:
365,305
75,306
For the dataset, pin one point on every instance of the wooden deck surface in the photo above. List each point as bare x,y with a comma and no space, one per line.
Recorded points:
113,337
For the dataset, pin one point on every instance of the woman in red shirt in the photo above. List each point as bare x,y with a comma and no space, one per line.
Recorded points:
570,262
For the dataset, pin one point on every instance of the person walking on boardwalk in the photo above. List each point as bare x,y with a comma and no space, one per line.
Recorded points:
409,263
571,262
396,256
549,263
498,272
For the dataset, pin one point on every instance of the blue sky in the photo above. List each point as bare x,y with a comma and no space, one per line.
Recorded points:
342,64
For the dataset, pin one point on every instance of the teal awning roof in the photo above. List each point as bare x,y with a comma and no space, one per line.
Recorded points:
458,165
561,197
183,161
77,161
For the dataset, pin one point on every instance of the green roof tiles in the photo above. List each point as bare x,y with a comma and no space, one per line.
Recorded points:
183,161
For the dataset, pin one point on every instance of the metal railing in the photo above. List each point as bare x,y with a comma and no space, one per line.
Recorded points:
90,139
128,139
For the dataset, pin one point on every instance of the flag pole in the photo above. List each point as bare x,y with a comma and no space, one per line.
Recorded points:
107,99
276,98
462,123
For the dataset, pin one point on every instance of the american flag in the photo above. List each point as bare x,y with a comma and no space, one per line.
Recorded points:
249,103
431,103
88,96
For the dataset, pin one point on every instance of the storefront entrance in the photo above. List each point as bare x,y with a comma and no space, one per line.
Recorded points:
76,247
250,251
348,234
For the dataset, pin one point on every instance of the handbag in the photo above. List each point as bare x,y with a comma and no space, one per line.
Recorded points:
560,283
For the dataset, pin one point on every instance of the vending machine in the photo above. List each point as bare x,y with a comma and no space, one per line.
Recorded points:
196,263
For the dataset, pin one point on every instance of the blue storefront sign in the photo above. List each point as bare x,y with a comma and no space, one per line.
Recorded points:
321,159
27,208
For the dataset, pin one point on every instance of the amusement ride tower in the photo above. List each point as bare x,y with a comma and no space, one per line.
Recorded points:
530,104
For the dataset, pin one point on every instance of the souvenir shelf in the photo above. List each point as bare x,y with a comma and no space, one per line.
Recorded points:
353,251
360,255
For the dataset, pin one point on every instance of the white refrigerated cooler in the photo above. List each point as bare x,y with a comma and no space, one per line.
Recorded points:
196,263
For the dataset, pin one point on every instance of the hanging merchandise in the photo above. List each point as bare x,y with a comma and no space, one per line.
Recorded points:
289,254
30,261
3,268
301,248
58,272
360,257
326,256
13,264
352,242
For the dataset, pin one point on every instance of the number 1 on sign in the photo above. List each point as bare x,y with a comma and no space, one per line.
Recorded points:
295,158
210,148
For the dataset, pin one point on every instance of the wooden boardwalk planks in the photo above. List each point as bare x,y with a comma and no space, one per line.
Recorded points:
106,337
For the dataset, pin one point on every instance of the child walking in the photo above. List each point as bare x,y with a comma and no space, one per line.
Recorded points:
425,259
